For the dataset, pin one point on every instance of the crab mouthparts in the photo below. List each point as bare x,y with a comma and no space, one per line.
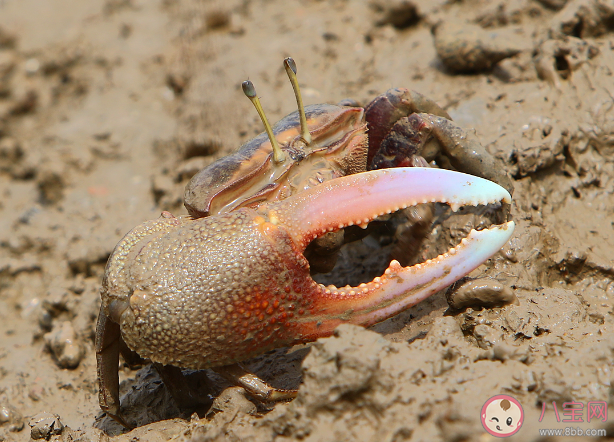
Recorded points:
359,199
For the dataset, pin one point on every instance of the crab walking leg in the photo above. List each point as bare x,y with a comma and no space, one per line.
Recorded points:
366,196
108,335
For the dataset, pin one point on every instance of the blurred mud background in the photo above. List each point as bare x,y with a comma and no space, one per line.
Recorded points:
108,107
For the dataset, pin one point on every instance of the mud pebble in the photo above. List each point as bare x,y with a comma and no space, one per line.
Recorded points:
469,48
484,292
233,400
217,19
445,328
584,18
32,66
25,104
10,153
45,320
344,365
503,352
65,346
399,13
486,336
556,60
555,5
36,393
51,185
10,417
44,425
8,61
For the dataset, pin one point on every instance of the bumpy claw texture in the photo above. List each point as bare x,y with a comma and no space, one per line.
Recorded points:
199,293
213,291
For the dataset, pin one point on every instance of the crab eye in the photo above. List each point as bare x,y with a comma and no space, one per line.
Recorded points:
509,421
250,92
290,66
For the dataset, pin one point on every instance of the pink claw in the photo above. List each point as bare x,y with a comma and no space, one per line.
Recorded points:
358,199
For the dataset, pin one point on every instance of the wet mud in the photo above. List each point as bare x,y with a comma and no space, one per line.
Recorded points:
109,107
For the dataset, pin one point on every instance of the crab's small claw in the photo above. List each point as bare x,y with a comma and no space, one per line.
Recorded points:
357,200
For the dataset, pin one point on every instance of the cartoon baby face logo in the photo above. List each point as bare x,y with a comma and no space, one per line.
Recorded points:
502,415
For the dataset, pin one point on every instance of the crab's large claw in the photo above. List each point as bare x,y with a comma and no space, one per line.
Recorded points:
208,292
360,198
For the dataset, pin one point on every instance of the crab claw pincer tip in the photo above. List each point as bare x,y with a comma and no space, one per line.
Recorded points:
360,198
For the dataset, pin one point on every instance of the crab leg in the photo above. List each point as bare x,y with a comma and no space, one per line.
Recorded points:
358,199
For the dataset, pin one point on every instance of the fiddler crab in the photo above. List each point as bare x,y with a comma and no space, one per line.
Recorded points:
232,280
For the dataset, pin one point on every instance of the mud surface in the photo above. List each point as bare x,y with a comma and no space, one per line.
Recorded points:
107,108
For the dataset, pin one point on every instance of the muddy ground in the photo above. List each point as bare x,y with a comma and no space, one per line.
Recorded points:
108,107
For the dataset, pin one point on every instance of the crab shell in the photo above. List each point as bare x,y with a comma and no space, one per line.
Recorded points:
206,292
250,177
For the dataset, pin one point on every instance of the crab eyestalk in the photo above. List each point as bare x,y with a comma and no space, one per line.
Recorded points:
290,66
250,92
